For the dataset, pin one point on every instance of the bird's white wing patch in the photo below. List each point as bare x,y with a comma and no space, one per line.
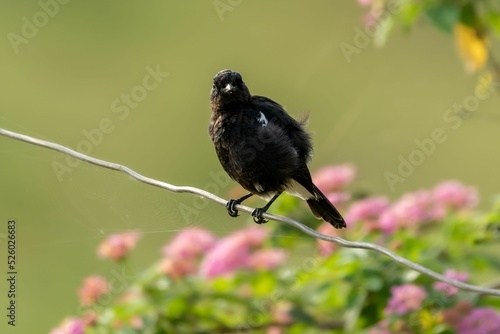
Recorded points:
262,119
258,187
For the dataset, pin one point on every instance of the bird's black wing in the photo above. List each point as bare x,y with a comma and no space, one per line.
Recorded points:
294,129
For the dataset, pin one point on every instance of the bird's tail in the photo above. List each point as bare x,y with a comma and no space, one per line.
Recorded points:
323,209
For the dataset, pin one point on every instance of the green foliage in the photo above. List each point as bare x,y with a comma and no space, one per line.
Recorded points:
443,15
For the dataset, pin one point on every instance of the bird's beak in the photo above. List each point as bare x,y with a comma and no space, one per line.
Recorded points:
228,88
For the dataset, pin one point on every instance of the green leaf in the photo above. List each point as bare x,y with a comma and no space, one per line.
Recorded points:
175,307
299,315
373,283
491,302
353,308
444,16
494,21
409,13
468,15
264,284
222,284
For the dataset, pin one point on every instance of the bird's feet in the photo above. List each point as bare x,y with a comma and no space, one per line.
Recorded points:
257,216
230,207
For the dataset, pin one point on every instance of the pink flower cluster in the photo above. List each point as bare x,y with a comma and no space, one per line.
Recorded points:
425,206
190,243
371,18
413,209
117,246
182,254
367,210
382,327
241,250
405,298
332,180
454,195
468,320
70,326
462,316
480,321
377,213
447,289
92,289
196,250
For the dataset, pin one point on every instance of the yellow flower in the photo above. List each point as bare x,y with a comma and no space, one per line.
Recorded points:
429,319
472,47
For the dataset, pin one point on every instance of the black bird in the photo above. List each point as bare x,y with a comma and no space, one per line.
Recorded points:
263,148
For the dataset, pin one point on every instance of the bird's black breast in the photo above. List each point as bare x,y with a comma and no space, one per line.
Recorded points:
259,145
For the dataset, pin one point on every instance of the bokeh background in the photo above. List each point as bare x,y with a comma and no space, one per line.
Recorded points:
72,74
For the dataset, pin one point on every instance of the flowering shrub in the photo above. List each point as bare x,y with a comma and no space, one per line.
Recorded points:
472,23
272,279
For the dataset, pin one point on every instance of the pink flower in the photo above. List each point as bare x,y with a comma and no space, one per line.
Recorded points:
275,330
232,252
454,195
281,312
190,243
371,18
447,289
177,267
252,236
70,326
405,298
367,209
338,198
136,322
480,321
411,210
266,258
388,222
382,327
117,246
364,3
93,288
334,178
226,257
325,247
281,316
456,313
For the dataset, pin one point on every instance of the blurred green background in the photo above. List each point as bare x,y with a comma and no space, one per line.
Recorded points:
65,79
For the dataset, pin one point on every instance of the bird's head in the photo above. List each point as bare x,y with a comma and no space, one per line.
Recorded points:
229,88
